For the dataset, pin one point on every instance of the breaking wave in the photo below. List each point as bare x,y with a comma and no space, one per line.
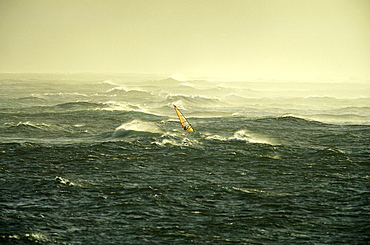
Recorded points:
135,126
243,136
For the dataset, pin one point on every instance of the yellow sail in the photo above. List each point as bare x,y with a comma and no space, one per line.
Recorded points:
183,121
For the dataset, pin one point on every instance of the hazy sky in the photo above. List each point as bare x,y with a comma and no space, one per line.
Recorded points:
232,38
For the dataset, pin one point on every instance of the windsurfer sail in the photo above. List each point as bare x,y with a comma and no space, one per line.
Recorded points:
183,121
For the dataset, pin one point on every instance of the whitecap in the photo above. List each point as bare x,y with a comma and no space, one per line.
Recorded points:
64,181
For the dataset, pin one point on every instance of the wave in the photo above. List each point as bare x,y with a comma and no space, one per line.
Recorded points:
110,82
135,126
40,130
31,99
85,105
120,90
243,136
341,119
29,238
134,95
26,126
195,100
66,107
357,109
289,119
122,106
64,181
320,119
177,139
63,95
168,82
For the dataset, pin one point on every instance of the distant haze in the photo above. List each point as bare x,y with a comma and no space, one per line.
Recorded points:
242,39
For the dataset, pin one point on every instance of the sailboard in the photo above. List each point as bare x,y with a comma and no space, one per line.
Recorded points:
185,124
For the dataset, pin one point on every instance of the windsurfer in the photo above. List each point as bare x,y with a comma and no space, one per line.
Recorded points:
183,121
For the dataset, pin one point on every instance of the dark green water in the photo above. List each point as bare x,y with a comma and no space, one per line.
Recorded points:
103,166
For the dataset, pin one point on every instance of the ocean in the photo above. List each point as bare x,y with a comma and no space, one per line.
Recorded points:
102,159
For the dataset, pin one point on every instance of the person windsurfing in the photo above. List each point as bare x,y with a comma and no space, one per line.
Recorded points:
185,124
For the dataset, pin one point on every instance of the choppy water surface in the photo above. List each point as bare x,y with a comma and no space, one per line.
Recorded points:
106,162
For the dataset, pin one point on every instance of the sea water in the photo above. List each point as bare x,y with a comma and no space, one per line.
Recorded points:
102,159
